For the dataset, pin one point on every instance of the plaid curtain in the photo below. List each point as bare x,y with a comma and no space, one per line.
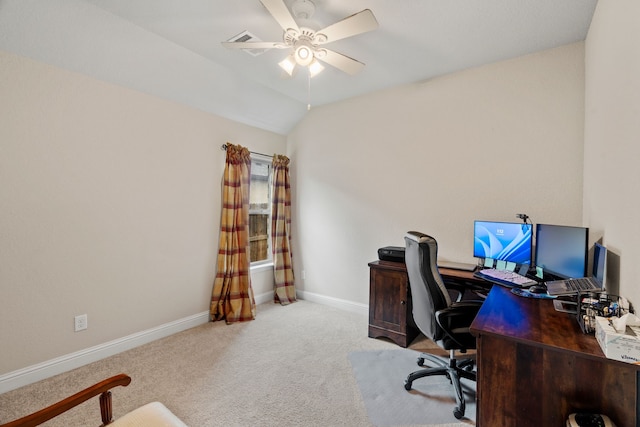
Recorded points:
285,291
232,297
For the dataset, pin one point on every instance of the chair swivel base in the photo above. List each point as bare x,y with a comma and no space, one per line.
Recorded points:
454,370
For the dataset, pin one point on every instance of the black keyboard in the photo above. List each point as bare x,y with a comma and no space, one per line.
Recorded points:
579,284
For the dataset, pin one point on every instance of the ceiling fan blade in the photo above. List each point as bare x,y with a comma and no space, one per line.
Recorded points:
340,61
254,45
358,23
278,9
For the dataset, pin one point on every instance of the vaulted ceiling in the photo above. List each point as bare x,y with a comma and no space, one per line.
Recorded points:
172,48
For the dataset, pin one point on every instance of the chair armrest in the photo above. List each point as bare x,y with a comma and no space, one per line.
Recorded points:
458,315
456,320
455,289
460,287
102,388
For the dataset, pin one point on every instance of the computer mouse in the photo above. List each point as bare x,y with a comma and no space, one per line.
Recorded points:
538,289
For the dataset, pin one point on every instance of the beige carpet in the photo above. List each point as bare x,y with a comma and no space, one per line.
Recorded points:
289,367
380,375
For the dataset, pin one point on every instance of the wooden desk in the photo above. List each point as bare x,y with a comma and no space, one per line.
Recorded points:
535,367
390,308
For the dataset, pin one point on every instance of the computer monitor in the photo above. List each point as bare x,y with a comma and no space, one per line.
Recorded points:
562,250
599,267
505,241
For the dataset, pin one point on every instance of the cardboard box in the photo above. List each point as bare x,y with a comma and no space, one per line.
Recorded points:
618,345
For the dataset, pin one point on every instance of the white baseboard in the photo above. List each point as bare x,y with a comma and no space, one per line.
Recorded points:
351,306
320,299
265,297
49,368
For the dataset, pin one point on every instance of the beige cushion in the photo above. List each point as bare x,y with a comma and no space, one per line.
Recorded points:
153,414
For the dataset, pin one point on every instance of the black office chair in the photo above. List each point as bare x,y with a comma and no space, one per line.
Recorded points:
440,318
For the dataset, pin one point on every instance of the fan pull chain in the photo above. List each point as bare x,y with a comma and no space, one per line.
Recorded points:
309,91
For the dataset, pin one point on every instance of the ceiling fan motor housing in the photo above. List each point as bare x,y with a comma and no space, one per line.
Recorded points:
303,9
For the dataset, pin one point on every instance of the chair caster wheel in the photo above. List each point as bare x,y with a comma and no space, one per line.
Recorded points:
407,385
420,361
458,413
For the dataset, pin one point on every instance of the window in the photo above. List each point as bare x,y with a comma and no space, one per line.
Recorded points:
260,210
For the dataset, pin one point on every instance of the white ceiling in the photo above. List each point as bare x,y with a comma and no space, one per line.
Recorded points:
171,48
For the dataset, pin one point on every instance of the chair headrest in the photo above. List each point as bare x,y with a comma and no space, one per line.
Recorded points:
419,237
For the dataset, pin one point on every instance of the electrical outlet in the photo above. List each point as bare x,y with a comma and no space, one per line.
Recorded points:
81,322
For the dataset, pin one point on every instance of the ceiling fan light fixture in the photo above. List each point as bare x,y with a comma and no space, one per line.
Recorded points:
303,54
315,68
288,64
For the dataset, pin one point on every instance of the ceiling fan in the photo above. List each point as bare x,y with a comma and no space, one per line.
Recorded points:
307,45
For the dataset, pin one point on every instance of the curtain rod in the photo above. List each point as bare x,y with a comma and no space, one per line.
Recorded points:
224,147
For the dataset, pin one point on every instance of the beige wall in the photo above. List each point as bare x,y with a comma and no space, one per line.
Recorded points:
612,136
110,207
485,143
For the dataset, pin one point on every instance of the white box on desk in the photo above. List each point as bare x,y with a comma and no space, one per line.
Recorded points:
623,346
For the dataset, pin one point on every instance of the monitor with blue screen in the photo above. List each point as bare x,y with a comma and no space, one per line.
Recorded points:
599,267
504,241
561,250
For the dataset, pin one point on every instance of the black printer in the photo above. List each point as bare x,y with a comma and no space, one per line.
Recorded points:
391,253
